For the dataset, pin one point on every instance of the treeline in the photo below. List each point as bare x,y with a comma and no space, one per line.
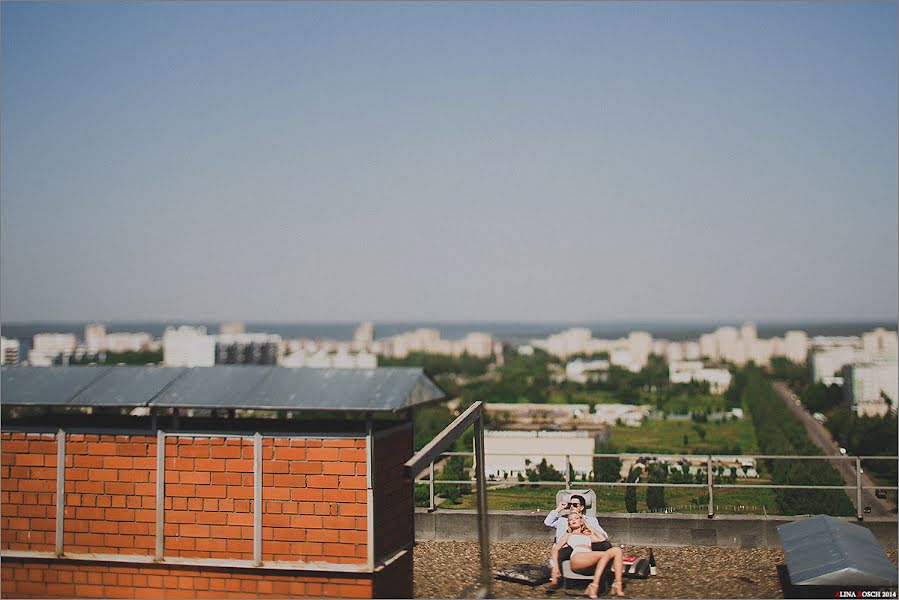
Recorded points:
627,387
143,357
873,436
434,364
779,432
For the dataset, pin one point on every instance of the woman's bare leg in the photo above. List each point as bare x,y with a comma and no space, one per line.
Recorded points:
618,569
584,560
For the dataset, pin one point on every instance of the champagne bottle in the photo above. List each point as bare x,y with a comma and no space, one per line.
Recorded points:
652,563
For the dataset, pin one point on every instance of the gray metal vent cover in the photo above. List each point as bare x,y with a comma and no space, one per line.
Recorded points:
824,550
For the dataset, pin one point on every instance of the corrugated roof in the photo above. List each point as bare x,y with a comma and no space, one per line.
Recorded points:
46,385
244,387
824,550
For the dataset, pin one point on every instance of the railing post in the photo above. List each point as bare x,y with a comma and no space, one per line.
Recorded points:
483,532
160,494
431,505
858,489
567,471
711,492
257,499
60,488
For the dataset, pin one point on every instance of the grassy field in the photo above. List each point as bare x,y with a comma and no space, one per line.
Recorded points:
668,437
680,500
684,404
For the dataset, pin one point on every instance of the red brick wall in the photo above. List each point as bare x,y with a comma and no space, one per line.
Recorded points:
34,578
28,496
315,500
208,497
110,484
314,510
394,512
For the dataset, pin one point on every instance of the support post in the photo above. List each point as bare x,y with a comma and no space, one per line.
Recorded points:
568,472
711,491
160,493
431,506
483,531
858,489
370,492
257,499
60,488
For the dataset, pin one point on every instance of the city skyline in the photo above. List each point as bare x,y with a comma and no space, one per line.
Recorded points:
449,162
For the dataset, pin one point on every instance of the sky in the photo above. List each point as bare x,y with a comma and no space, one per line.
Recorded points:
449,161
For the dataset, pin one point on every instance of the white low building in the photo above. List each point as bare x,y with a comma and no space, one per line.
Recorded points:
631,415
510,453
579,370
188,347
52,345
687,371
325,360
128,342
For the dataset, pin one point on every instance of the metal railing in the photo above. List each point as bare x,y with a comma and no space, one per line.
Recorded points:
473,415
707,459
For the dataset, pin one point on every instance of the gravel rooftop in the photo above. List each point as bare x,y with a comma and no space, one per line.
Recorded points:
450,570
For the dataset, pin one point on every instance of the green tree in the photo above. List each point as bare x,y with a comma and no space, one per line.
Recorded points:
606,468
630,494
655,496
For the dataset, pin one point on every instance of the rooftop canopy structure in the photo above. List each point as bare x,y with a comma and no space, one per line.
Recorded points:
220,387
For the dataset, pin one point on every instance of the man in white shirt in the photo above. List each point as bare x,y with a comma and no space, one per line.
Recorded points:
576,503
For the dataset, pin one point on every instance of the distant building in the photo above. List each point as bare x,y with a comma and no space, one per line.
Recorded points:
796,346
865,383
510,453
94,338
880,341
232,328
46,347
128,342
829,362
581,371
708,346
364,334
687,371
325,360
479,344
187,347
247,349
9,351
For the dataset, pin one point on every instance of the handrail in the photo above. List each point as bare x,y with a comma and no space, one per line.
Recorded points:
443,440
473,415
702,456
707,459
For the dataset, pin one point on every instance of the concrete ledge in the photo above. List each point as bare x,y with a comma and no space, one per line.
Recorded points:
627,528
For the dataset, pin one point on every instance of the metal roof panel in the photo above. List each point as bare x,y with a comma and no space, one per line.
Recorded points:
46,386
214,387
231,386
128,386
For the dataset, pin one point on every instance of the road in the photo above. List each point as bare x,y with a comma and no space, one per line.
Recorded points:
821,437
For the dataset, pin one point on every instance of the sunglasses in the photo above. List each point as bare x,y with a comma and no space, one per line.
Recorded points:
573,504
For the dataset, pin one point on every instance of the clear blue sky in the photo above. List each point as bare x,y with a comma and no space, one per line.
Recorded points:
450,161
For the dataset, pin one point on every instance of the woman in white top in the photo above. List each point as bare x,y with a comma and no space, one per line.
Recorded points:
579,538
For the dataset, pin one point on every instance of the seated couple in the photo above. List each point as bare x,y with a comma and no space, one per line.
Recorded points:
581,540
